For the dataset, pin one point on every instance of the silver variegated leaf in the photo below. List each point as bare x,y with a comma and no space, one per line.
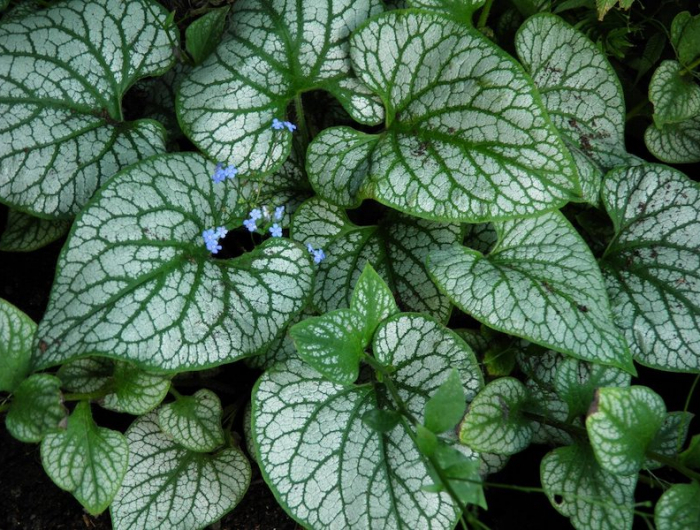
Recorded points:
37,408
540,282
652,266
678,508
136,391
675,97
65,70
675,143
168,487
273,52
25,232
86,375
670,438
331,470
460,10
194,421
16,336
135,281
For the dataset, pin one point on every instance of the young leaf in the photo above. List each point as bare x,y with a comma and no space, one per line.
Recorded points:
541,283
16,335
372,299
204,34
396,248
135,281
461,473
135,391
311,437
166,486
446,406
468,139
581,93
691,456
576,382
273,53
675,143
87,460
685,37
67,68
678,508
494,422
621,424
25,232
675,97
86,375
381,420
36,409
194,421
587,494
332,343
651,266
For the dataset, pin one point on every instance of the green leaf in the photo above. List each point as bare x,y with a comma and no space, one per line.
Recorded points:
494,422
204,34
135,281
62,134
166,486
194,421
468,139
396,247
621,424
86,375
427,443
459,10
87,460
581,93
670,437
541,283
311,437
576,382
36,409
372,299
25,232
685,37
675,143
274,52
135,391
381,420
16,335
587,494
446,406
675,97
651,266
691,456
604,6
678,508
332,343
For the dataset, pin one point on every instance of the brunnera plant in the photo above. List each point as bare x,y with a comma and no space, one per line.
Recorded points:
437,252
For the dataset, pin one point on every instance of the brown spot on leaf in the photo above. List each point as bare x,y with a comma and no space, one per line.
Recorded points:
594,404
582,308
43,346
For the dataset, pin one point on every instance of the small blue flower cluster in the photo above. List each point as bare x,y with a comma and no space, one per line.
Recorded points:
211,238
263,213
279,125
222,173
318,253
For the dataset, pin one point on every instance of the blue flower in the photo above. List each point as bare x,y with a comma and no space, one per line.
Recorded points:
250,225
279,212
256,214
318,254
277,124
276,230
290,126
211,238
222,173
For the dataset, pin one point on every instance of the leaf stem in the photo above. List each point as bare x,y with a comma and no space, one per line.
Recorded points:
174,392
301,123
484,14
674,464
636,110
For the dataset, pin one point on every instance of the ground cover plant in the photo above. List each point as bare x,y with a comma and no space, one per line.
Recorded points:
430,227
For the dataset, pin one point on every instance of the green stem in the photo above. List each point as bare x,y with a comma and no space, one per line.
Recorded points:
174,392
301,123
692,66
524,489
484,15
674,464
636,110
88,396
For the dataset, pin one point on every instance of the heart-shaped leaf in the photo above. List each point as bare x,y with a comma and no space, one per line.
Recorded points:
587,494
332,343
540,282
135,281
327,467
16,336
87,460
468,139
675,143
685,37
194,421
621,424
372,299
494,422
36,409
65,71
166,486
135,391
678,507
273,53
576,382
396,248
581,93
652,266
25,232
675,97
